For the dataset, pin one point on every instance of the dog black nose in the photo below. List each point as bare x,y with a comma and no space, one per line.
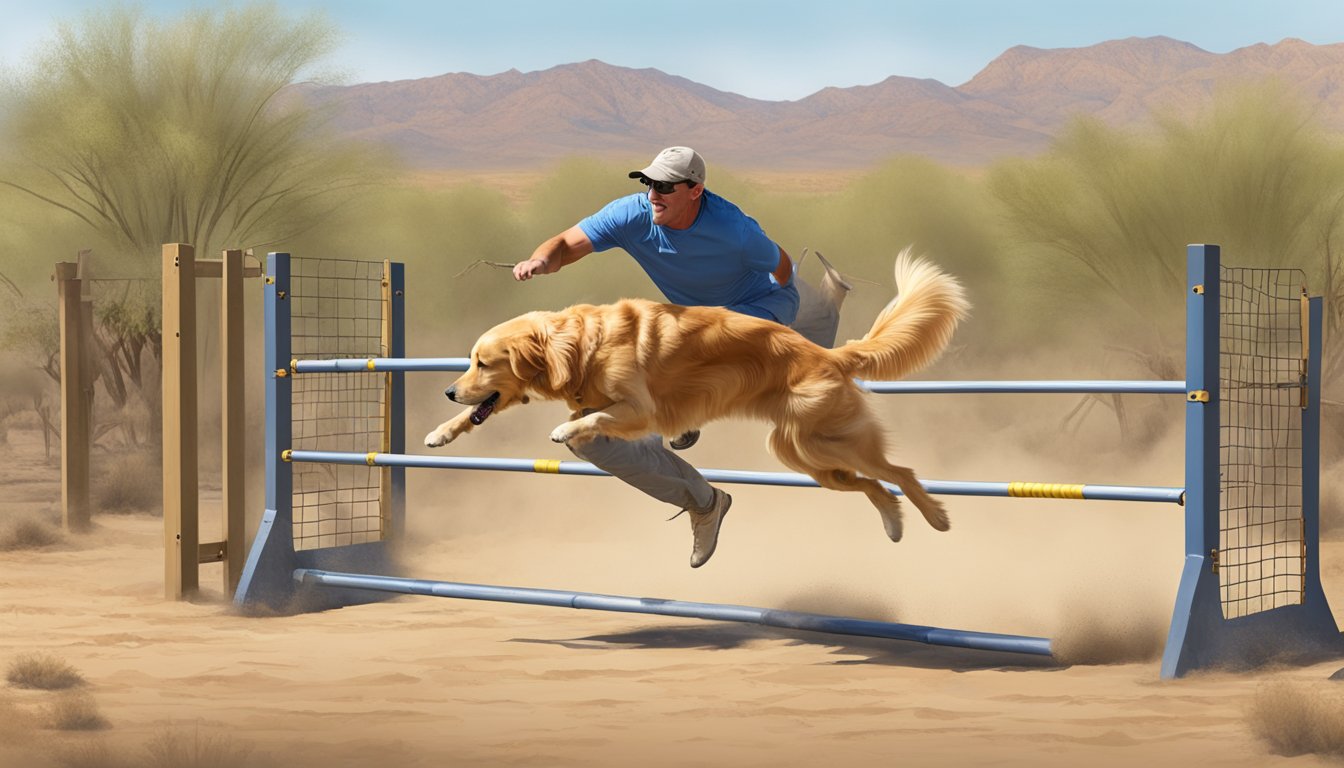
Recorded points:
451,392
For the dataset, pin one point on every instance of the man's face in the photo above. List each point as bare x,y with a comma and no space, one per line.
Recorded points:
676,208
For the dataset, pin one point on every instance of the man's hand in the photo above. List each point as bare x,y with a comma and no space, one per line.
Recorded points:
559,251
525,270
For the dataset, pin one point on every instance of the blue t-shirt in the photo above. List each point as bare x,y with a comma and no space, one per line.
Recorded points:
724,259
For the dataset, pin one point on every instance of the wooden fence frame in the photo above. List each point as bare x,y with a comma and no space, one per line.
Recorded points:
184,551
75,313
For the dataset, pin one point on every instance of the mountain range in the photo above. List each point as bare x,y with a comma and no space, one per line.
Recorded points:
1014,106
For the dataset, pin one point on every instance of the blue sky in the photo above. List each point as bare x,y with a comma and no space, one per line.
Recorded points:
767,50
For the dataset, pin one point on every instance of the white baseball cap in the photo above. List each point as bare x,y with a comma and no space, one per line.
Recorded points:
674,164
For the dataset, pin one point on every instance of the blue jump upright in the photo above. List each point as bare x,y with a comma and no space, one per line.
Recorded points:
280,578
267,581
1200,635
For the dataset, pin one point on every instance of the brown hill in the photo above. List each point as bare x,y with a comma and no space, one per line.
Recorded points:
1012,107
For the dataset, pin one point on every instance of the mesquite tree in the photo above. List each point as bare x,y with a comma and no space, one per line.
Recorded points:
191,130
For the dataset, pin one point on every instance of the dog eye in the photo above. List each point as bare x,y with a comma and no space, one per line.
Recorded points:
480,364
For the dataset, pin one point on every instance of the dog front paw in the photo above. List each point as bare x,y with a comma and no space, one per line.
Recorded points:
438,438
562,434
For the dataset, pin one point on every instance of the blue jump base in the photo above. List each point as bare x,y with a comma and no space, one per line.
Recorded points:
812,622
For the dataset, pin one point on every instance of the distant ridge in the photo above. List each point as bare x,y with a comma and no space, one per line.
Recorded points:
1012,107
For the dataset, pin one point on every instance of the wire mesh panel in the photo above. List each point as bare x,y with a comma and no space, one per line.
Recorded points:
337,312
1261,558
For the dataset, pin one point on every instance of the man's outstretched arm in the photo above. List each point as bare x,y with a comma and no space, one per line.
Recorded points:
559,251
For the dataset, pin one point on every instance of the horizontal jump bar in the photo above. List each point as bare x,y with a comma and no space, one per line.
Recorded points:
382,364
1016,387
814,622
395,364
941,487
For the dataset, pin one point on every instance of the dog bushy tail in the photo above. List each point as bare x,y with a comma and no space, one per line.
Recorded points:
914,329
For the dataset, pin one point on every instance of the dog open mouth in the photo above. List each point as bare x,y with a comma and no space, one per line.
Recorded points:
484,410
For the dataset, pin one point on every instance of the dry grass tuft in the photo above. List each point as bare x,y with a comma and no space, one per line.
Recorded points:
94,754
76,712
1299,719
29,533
43,672
173,749
131,482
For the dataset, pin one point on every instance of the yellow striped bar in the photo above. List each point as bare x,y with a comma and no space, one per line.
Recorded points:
1046,490
1088,491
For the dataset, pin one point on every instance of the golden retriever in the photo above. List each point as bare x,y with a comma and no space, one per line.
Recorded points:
637,367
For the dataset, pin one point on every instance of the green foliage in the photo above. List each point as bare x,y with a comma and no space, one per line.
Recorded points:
1107,214
575,188
438,234
180,131
906,201
30,329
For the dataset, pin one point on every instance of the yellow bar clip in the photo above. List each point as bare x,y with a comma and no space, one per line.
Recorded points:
370,457
1046,490
549,466
285,455
371,365
1197,396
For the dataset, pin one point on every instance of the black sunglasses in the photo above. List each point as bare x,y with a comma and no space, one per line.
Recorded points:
663,187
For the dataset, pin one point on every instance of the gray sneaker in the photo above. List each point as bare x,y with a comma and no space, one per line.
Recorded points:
705,527
685,440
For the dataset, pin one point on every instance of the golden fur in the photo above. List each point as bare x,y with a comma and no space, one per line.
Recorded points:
638,367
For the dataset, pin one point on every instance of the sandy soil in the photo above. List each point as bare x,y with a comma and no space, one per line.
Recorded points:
426,682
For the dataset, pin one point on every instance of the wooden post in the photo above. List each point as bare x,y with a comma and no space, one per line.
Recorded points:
385,407
231,310
181,526
74,405
87,361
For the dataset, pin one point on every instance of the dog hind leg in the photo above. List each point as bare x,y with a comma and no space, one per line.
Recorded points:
802,456
904,478
861,447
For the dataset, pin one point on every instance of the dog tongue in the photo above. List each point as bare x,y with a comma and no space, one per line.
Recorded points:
484,410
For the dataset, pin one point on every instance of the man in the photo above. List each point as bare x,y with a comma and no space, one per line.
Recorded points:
700,250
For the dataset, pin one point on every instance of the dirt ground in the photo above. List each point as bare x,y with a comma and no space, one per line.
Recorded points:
431,682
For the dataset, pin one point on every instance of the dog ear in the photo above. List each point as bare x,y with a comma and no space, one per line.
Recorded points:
562,354
527,358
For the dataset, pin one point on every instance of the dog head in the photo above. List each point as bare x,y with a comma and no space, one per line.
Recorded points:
507,361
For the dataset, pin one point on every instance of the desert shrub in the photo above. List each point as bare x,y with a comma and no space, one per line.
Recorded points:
44,672
76,712
94,754
130,482
174,749
29,533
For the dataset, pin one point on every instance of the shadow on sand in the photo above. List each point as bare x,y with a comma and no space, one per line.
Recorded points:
725,635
